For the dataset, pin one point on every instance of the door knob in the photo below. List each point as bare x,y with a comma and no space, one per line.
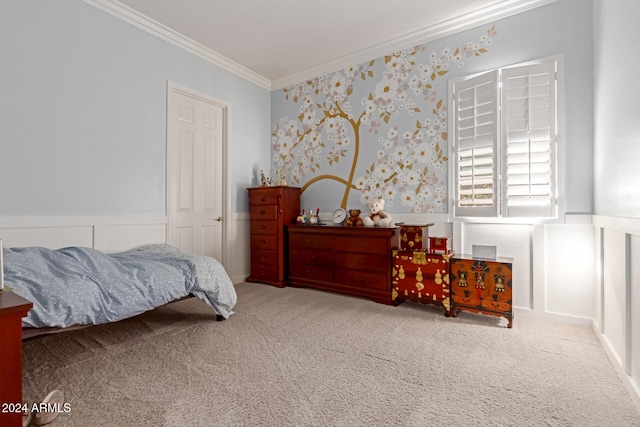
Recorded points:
219,219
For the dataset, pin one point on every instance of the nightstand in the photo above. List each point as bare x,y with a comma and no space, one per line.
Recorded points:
12,309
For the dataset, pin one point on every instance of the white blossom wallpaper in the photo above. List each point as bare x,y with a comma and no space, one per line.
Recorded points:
377,129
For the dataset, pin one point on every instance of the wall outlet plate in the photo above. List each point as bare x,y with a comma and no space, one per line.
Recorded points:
484,252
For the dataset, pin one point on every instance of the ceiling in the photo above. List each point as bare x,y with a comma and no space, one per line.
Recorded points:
278,39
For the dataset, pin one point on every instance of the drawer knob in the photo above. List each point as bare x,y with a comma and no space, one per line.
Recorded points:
264,242
262,227
263,200
262,212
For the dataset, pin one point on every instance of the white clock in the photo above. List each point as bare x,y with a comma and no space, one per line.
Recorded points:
339,216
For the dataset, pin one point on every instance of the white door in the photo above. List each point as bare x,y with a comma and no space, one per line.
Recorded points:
195,132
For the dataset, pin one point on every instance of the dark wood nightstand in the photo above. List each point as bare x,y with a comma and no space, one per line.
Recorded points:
12,309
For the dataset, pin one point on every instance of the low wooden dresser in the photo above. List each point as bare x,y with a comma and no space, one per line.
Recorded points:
12,309
270,208
344,259
482,286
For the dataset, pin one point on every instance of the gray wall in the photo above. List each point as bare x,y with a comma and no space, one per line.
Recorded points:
616,108
83,112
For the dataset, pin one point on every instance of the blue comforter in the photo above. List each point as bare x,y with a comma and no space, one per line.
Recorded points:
80,286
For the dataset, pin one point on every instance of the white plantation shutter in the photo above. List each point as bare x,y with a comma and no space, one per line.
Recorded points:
476,145
506,129
529,140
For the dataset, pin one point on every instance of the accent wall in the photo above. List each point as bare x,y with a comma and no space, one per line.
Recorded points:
380,128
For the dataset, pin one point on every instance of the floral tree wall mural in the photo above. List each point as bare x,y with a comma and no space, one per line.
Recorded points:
394,113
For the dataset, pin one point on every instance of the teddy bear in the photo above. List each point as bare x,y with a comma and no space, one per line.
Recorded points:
354,217
378,215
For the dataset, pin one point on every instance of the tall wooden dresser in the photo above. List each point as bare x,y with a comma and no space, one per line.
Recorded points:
270,208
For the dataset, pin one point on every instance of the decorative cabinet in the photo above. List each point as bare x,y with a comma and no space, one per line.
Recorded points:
270,209
482,286
349,260
422,277
414,237
12,309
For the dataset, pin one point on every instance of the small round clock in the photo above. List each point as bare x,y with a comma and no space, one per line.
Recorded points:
339,216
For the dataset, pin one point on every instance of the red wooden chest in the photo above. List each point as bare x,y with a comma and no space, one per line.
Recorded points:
414,237
442,244
422,277
482,286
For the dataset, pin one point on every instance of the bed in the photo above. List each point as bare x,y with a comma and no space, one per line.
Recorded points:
77,286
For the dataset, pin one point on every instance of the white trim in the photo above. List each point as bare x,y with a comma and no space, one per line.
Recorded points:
442,29
620,351
108,234
226,159
165,33
538,272
9,222
461,23
623,225
632,388
549,317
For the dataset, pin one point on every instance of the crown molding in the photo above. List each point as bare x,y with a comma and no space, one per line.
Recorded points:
444,28
165,33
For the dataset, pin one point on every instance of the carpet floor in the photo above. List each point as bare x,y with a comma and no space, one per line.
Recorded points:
302,357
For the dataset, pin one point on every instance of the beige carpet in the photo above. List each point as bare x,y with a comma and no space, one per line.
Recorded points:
299,357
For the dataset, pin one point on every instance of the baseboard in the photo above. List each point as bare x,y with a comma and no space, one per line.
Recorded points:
239,279
629,384
551,317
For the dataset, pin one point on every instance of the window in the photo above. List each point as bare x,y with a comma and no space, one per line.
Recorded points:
505,126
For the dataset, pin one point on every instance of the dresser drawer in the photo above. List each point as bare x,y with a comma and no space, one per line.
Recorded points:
263,212
360,261
311,257
496,305
264,196
263,241
363,244
264,272
264,227
310,241
310,272
264,257
363,279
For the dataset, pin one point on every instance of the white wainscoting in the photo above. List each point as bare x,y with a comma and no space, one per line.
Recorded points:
107,234
116,234
616,318
553,269
239,262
